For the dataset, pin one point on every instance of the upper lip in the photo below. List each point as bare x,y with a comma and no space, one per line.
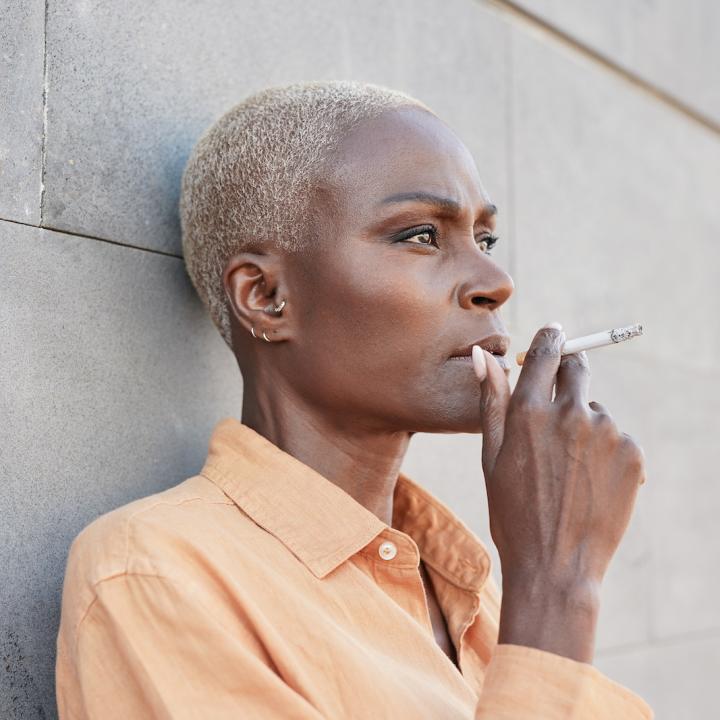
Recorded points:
495,344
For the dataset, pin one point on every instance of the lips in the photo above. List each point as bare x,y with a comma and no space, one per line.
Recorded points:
496,345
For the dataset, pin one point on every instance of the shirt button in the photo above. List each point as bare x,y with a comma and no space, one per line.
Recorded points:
388,550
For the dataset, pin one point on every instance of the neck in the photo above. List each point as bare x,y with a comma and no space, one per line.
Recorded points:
361,460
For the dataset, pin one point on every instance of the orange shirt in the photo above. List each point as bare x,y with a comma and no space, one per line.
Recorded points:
259,589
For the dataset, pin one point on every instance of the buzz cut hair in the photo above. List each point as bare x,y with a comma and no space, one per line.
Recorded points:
249,181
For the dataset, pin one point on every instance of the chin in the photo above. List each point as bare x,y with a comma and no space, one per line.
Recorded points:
467,422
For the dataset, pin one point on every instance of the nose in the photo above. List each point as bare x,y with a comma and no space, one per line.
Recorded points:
489,286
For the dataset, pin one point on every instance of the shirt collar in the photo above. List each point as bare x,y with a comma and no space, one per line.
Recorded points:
321,524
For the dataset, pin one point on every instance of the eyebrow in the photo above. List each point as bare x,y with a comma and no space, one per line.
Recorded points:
447,204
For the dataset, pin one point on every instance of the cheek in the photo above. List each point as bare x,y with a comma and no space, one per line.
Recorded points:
375,338
389,316
378,351
370,321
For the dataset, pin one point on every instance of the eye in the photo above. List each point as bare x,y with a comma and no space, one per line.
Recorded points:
429,232
487,242
428,236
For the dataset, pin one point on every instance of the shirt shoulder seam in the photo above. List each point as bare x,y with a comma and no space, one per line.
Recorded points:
92,603
126,529
137,513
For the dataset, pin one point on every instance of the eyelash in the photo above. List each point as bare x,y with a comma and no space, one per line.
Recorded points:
432,230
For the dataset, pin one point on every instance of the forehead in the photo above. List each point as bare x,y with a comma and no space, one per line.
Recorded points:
404,150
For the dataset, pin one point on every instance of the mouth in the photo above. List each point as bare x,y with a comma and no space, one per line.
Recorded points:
496,345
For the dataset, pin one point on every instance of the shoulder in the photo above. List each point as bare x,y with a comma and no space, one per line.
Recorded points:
141,537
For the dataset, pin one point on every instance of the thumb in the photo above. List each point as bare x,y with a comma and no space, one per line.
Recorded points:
493,405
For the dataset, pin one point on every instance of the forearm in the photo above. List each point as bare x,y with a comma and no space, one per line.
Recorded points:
550,616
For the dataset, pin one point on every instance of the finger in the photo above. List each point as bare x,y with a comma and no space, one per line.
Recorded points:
637,456
537,378
493,408
573,380
598,408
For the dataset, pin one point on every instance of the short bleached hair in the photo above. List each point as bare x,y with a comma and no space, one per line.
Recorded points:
249,180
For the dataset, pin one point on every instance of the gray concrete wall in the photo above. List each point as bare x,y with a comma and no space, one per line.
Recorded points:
600,147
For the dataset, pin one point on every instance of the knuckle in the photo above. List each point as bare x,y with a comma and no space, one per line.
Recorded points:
547,341
573,420
577,362
544,335
628,442
635,457
528,407
542,350
604,423
522,398
572,402
572,412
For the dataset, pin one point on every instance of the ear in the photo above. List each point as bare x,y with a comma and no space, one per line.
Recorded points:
252,282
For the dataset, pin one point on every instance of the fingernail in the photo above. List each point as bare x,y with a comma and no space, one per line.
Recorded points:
553,325
479,362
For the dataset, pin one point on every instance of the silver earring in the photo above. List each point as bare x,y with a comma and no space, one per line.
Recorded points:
252,330
271,307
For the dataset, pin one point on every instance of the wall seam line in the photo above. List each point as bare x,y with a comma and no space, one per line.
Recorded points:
663,96
60,231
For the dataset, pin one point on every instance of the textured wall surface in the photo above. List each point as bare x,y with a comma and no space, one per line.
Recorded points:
22,49
113,376
671,45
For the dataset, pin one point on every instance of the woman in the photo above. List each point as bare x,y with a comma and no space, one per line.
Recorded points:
341,239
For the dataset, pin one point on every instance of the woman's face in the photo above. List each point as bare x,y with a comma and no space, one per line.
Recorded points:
396,282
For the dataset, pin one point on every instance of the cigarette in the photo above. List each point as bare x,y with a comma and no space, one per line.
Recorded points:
600,339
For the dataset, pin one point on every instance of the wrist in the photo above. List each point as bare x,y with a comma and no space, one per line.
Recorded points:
551,615
579,591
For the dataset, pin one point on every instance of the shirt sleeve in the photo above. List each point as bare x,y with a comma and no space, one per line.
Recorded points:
147,649
524,683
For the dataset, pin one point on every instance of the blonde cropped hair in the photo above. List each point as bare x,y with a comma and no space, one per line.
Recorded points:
250,177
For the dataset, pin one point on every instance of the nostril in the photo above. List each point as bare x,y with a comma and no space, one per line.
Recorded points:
483,300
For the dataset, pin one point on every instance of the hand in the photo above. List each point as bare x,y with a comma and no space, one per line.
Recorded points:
561,478
561,484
